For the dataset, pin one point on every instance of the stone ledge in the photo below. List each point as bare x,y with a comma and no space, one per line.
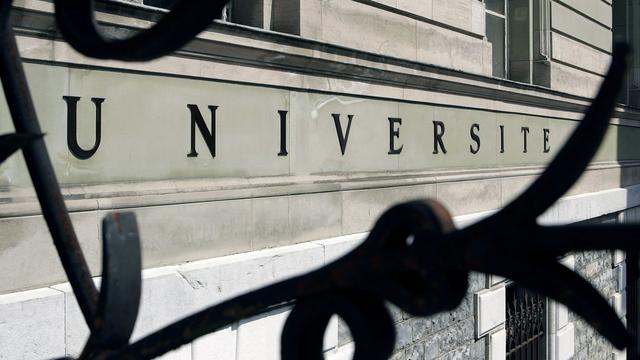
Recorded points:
23,202
167,242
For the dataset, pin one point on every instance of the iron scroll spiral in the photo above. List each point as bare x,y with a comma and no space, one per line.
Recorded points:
422,277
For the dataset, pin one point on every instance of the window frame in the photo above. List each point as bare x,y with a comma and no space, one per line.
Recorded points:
506,44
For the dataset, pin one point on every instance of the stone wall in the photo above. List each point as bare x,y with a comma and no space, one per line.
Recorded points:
46,322
581,42
149,171
451,335
595,266
606,270
438,32
442,336
570,49
341,63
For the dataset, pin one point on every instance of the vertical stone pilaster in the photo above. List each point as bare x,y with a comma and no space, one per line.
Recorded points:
561,331
498,345
490,317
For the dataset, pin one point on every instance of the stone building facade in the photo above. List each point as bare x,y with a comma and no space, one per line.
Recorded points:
269,145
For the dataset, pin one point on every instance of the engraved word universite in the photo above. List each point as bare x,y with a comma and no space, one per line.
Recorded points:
208,132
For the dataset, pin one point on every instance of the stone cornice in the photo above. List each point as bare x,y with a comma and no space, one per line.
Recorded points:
287,54
23,202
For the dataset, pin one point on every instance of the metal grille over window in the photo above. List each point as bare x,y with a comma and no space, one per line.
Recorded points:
525,324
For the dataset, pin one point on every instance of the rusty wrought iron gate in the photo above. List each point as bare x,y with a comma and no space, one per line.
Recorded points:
424,277
525,324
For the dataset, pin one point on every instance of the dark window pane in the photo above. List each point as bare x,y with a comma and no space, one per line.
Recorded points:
495,6
165,4
496,36
168,4
621,33
519,46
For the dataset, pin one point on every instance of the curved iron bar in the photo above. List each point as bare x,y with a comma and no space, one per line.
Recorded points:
120,287
425,276
25,120
186,19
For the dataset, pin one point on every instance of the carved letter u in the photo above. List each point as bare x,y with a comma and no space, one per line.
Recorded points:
72,127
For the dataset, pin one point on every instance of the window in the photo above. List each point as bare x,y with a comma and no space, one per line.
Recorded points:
526,319
519,38
496,24
167,4
626,28
276,15
509,29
